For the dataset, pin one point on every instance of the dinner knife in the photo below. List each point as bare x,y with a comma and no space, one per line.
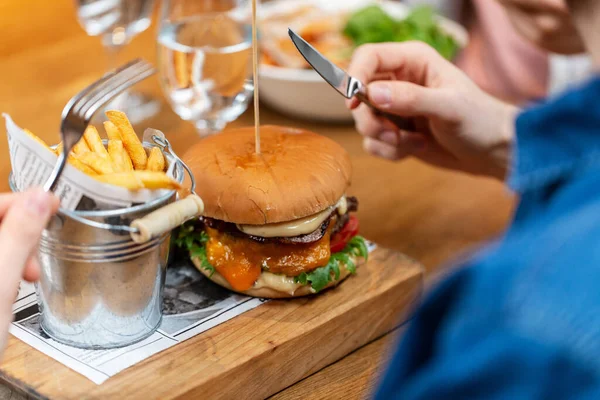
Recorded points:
345,84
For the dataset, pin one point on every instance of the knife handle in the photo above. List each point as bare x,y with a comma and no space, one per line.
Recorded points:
405,124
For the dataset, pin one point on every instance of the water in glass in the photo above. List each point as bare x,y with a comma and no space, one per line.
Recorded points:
99,17
205,66
117,22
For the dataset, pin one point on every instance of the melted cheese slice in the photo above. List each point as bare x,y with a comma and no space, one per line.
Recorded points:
297,227
284,283
278,282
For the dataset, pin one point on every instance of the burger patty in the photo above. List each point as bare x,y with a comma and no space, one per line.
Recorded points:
339,222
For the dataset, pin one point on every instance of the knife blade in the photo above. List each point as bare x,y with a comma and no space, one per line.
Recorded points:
343,83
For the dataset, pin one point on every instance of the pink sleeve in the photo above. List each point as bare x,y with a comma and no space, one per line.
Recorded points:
499,60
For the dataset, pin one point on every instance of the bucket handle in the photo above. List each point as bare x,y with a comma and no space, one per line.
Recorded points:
159,221
166,218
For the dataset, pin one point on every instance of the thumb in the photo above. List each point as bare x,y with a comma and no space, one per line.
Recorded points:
20,232
409,99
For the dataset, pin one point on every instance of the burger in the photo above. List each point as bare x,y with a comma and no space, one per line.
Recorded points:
275,224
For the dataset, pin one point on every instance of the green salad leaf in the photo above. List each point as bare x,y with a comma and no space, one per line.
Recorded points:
193,239
319,278
373,25
370,25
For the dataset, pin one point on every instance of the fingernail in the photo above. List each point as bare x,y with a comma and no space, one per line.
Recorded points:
38,202
380,94
389,137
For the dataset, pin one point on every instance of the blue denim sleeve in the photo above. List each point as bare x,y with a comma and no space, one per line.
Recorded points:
495,367
448,352
556,140
522,321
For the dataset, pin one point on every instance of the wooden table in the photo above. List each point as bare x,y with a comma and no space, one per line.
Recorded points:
429,214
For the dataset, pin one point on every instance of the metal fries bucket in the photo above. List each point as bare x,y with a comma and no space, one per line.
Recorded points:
98,288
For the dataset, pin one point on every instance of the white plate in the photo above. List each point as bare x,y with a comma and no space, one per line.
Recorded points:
302,93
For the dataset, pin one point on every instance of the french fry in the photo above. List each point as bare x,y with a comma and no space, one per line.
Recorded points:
112,132
156,180
81,147
120,159
156,160
131,142
38,139
127,180
136,180
96,162
76,162
123,162
92,138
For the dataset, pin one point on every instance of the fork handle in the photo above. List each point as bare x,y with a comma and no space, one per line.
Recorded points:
52,181
405,124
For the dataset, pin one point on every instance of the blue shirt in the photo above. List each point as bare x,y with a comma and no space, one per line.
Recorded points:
522,319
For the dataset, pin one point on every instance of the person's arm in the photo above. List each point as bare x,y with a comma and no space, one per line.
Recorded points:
23,216
452,350
459,126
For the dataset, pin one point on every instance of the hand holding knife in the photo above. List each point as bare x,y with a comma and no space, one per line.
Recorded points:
345,84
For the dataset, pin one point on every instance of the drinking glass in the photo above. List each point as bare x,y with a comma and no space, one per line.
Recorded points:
205,60
117,22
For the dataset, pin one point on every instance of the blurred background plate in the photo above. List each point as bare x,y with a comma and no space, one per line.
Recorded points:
301,93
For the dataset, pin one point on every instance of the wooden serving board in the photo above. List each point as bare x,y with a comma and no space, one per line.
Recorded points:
251,356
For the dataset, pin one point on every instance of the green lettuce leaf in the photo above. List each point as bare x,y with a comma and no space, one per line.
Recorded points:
359,245
370,25
193,239
319,278
373,25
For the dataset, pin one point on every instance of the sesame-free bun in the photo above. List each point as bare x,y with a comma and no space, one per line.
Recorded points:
297,174
273,291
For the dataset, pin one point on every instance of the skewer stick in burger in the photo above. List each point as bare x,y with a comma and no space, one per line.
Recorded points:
275,224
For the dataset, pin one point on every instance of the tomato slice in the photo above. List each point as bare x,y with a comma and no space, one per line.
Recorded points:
341,238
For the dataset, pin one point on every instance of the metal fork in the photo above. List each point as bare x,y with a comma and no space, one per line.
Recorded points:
81,108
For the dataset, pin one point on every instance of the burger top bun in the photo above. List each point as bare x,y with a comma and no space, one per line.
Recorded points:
297,174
